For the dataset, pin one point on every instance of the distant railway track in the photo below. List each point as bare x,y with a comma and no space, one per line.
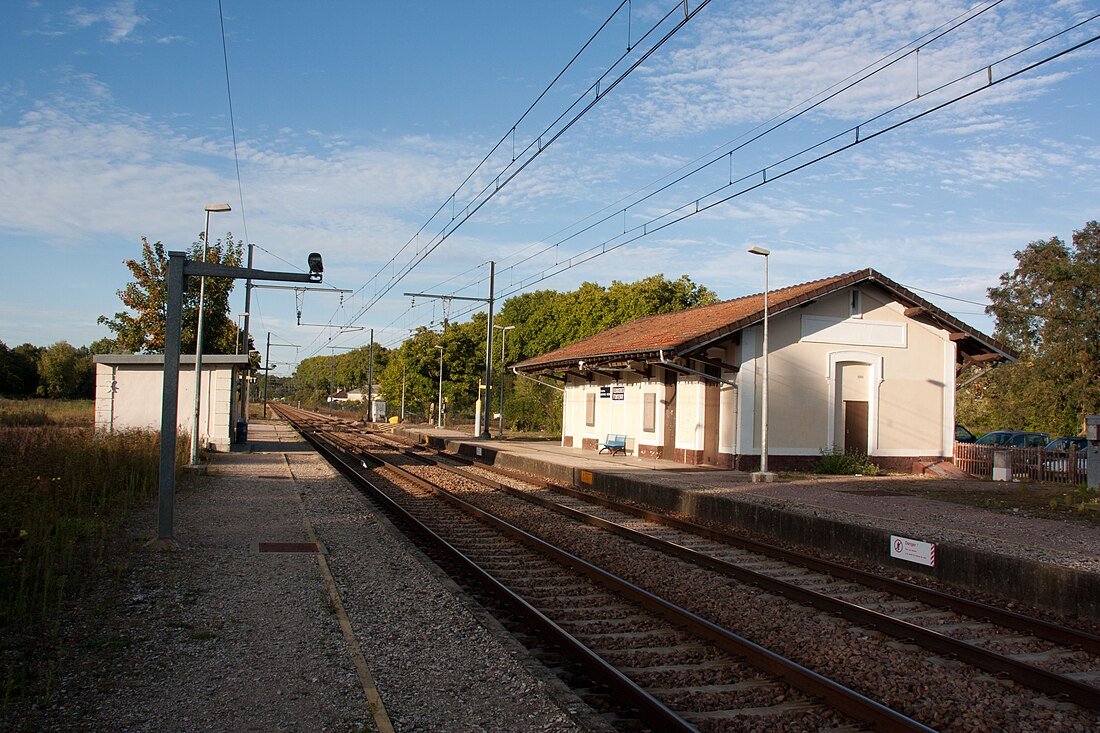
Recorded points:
723,582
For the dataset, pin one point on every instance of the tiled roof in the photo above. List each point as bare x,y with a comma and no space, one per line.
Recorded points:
685,330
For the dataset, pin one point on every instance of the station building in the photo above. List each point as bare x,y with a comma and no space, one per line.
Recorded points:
130,388
857,362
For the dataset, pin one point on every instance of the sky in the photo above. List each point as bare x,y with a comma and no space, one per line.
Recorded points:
412,143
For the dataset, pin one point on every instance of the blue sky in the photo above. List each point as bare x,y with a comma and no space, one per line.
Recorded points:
356,121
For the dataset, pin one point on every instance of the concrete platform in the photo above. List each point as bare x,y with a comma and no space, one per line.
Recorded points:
1046,563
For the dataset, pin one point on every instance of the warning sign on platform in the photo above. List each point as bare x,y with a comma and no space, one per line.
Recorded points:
923,553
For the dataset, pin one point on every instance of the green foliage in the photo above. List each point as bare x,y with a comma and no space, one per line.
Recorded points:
543,320
1046,309
19,370
836,462
66,372
140,329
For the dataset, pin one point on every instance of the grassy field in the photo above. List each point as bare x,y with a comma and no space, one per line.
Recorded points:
26,413
63,493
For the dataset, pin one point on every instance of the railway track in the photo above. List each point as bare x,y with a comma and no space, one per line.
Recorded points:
848,609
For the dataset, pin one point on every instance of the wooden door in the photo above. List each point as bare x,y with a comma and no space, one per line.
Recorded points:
855,426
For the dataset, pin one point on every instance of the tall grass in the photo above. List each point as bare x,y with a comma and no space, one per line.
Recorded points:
63,493
70,413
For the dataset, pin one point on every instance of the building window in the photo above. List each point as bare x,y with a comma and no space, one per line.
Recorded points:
590,409
649,412
855,304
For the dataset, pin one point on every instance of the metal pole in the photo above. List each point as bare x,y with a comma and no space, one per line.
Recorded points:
439,407
370,379
198,350
503,369
763,474
403,364
764,396
267,370
247,315
489,356
170,399
332,392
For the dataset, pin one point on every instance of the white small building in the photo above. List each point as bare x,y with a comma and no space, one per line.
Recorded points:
858,363
129,392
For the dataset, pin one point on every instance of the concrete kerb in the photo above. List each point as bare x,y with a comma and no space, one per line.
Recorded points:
1059,589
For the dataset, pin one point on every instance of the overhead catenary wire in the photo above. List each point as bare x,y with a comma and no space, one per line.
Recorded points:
671,216
776,122
768,174
232,121
533,150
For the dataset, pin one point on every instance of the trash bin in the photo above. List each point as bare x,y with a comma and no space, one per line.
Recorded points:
242,432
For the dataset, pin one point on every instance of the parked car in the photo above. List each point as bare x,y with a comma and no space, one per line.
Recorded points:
1056,456
962,435
1014,439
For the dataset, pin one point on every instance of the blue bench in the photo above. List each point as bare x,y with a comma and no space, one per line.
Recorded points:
614,443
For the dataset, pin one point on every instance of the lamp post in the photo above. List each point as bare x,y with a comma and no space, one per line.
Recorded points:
239,329
503,333
763,474
209,208
439,407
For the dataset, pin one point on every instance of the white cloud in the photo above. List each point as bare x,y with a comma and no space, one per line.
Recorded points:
748,64
119,19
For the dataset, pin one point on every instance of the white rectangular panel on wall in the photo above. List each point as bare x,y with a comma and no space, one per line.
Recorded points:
857,332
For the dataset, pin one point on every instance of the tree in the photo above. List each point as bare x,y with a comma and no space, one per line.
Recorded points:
141,328
1046,310
64,371
19,370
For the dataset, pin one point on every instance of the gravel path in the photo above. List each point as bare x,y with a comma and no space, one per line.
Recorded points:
223,637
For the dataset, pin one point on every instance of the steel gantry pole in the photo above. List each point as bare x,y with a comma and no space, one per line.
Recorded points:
503,368
179,267
439,407
487,407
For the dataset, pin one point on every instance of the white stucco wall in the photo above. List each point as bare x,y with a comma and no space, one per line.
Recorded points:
819,355
129,396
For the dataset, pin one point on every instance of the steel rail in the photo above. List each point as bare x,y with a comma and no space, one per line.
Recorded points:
1009,619
801,678
1022,672
651,710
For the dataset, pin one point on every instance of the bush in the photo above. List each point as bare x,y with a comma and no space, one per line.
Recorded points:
836,462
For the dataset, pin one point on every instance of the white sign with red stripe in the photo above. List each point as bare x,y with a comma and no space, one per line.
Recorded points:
916,551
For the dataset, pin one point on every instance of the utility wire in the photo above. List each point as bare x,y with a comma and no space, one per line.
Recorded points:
696,206
533,150
870,70
539,143
232,120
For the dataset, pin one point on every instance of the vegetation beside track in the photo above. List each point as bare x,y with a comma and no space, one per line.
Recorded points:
64,493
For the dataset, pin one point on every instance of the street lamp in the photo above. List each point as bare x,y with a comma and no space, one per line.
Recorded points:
763,475
503,333
439,407
209,208
240,316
